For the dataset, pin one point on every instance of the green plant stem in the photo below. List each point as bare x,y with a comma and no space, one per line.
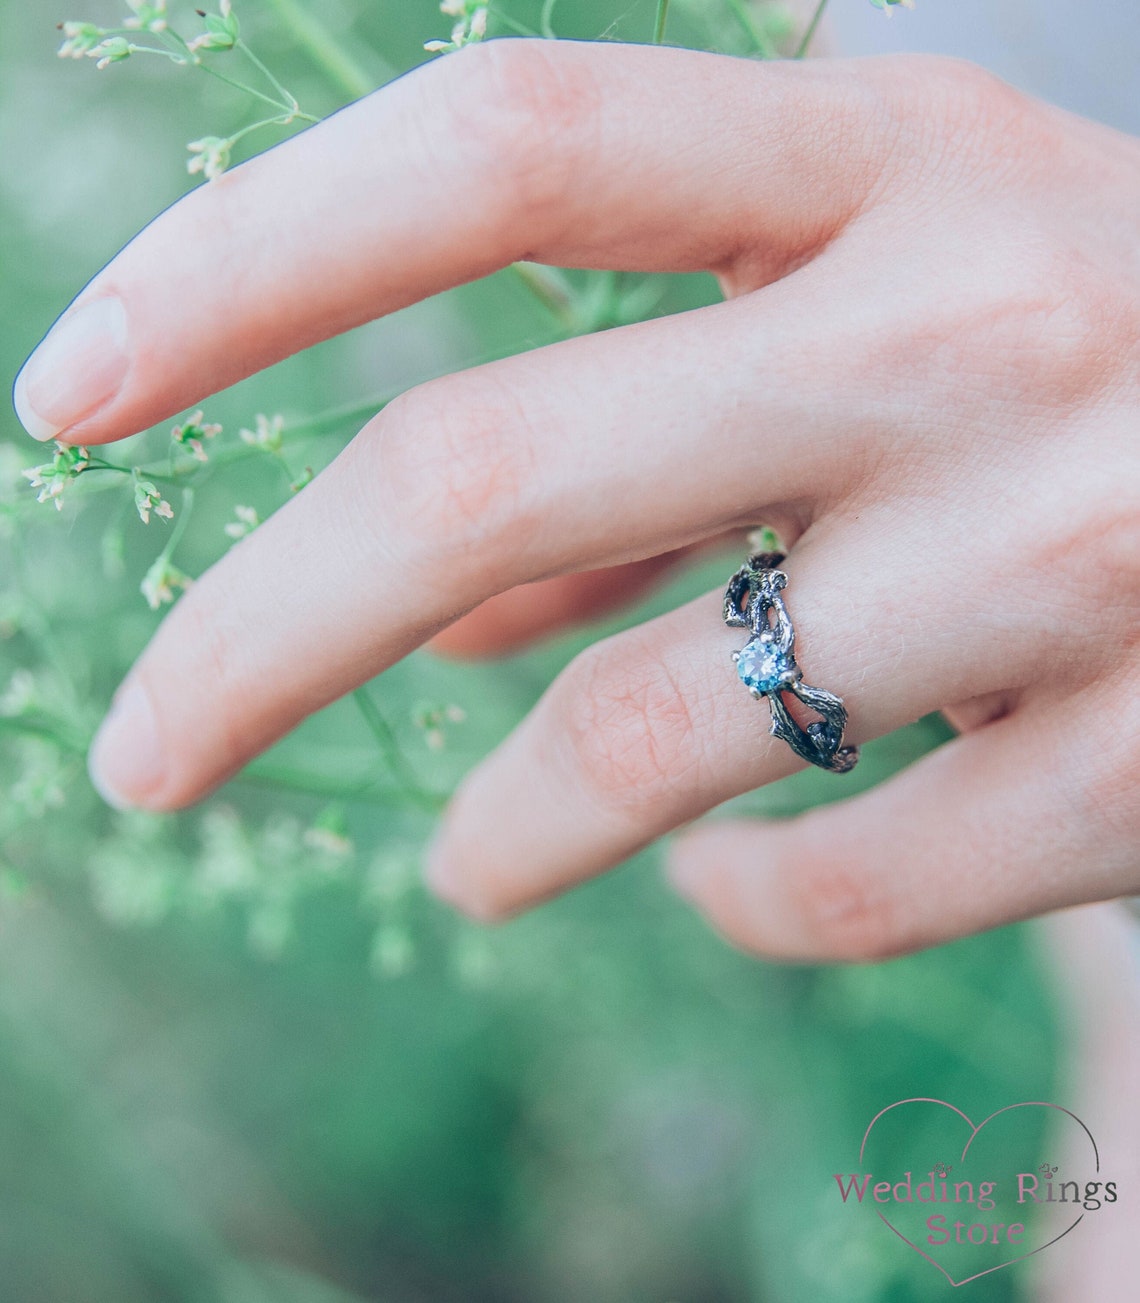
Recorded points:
101,465
322,47
393,754
263,774
545,22
178,43
291,109
151,49
282,121
756,35
325,422
286,95
802,48
176,534
550,289
25,727
512,24
659,25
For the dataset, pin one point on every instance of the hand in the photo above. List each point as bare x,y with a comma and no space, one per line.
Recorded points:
926,376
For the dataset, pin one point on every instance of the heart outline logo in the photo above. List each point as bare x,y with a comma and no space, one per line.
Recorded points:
974,1131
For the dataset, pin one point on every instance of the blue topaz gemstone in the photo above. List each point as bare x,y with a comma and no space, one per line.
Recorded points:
761,664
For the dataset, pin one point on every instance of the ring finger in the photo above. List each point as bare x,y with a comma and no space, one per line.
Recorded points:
650,728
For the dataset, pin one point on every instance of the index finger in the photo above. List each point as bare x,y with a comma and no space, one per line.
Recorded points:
581,154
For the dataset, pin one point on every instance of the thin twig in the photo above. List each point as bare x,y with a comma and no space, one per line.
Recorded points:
26,726
756,35
390,747
323,48
367,790
802,48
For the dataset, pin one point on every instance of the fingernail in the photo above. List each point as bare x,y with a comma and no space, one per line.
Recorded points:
126,762
80,365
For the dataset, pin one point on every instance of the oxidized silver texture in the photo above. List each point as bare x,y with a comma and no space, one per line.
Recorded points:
752,592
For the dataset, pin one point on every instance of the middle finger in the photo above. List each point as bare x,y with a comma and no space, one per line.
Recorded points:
587,453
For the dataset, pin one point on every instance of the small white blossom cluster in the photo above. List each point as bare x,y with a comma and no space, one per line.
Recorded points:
247,521
193,433
390,883
211,156
79,40
430,720
267,433
470,24
267,870
221,32
54,476
160,581
87,41
146,16
328,834
148,499
21,696
42,784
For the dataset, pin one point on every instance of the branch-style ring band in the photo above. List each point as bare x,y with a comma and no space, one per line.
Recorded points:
767,665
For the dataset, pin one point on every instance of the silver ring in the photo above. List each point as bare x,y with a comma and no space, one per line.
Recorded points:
767,665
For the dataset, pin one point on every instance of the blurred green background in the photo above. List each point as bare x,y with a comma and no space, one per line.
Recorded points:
242,1056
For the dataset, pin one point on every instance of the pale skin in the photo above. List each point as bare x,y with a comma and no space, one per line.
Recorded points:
926,375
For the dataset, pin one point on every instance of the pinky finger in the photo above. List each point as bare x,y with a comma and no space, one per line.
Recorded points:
981,832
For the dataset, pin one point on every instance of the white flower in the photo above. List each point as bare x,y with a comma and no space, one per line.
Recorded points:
247,521
113,50
266,434
471,24
54,476
327,840
193,433
147,16
430,720
211,156
222,30
160,581
148,499
79,39
20,695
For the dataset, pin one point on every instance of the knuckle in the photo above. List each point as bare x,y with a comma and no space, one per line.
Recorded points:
1039,310
1091,551
532,108
952,120
958,98
455,467
981,93
845,912
631,735
1064,313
